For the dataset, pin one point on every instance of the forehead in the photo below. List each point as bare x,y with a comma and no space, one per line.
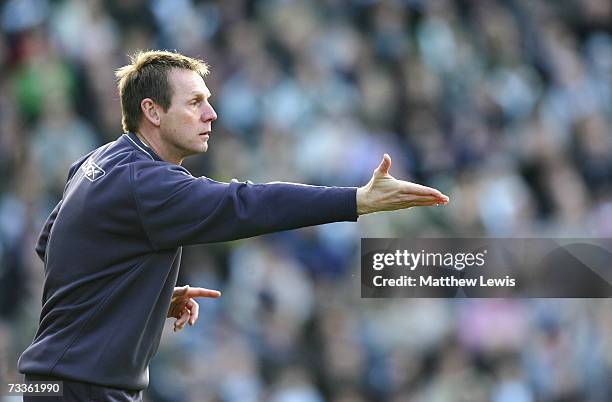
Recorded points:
184,82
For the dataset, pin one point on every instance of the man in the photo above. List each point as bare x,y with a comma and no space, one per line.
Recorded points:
112,246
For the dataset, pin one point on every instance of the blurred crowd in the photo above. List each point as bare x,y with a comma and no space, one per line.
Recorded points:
504,105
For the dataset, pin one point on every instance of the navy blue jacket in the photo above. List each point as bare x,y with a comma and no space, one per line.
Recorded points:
112,249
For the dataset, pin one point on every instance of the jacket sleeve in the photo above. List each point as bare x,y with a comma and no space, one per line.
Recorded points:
178,209
43,237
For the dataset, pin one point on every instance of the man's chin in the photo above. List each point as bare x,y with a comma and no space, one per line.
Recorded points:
195,150
200,148
203,145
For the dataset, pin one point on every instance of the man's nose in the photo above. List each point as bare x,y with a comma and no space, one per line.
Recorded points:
209,114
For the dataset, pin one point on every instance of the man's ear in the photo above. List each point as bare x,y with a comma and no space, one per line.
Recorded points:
151,111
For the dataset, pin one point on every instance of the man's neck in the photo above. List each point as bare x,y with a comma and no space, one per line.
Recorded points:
151,144
143,140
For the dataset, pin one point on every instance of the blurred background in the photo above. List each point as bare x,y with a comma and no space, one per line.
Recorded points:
504,105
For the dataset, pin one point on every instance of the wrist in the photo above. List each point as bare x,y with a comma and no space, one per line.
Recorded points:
361,195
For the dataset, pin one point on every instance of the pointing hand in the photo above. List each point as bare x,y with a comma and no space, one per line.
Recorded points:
183,306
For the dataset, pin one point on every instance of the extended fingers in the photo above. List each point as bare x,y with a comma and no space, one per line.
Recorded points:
202,292
429,200
424,203
412,198
420,190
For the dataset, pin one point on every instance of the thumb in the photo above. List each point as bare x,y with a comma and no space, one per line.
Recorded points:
385,165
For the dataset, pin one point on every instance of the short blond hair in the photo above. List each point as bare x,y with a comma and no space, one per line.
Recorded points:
147,77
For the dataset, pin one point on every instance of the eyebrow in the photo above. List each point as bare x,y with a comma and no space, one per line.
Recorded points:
200,94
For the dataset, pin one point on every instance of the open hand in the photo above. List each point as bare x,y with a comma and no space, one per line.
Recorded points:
385,193
183,306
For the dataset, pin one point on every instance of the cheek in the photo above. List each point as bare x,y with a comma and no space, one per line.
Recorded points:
189,119
180,122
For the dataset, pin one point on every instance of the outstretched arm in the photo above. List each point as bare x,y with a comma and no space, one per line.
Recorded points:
178,209
385,193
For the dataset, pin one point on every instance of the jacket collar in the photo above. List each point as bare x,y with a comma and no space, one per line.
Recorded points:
135,142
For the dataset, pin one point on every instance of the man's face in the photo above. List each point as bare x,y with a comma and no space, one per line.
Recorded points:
186,126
